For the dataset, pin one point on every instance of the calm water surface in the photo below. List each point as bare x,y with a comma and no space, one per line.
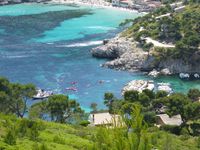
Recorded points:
49,46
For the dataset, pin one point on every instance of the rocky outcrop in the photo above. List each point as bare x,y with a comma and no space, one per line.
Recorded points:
179,65
138,85
125,54
113,49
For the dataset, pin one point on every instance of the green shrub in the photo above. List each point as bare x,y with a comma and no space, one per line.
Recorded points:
198,142
58,139
171,128
30,128
10,137
84,123
44,147
195,127
35,146
184,131
34,132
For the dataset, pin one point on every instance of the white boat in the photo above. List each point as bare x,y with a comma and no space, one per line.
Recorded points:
72,89
41,94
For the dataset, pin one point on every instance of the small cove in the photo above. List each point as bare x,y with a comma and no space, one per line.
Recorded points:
49,45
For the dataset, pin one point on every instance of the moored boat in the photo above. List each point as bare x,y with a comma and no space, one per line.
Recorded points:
72,89
42,94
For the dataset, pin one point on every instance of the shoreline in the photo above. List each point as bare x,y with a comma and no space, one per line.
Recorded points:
102,5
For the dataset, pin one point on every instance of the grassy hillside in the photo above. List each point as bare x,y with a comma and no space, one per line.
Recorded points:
51,136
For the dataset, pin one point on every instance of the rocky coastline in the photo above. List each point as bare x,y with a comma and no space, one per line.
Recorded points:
126,54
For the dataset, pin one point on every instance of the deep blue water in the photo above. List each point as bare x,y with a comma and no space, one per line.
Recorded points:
49,45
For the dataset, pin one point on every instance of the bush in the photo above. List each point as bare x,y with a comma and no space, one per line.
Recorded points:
58,139
34,132
30,128
198,142
150,118
84,123
10,137
171,128
195,128
184,131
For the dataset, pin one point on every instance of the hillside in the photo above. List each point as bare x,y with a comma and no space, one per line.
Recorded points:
169,26
168,38
41,135
24,134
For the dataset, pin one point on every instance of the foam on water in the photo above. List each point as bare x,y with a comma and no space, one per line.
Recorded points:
84,44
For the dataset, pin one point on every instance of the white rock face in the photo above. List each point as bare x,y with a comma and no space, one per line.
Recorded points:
184,75
154,73
138,85
165,87
124,53
165,71
196,75
127,54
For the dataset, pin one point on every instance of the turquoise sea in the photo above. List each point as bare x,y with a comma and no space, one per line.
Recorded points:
49,45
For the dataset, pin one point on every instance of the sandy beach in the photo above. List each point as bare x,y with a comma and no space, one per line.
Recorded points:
92,3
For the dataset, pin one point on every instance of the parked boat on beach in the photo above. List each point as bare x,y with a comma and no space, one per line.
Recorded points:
42,94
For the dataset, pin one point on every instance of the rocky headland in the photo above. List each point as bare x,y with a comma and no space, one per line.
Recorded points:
126,54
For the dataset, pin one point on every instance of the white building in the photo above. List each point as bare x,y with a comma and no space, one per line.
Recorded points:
115,3
3,2
122,3
99,119
164,119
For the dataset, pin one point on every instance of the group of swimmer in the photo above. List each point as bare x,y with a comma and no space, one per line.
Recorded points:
75,89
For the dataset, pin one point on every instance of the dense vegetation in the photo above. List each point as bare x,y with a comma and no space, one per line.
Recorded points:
25,134
135,130
151,103
179,28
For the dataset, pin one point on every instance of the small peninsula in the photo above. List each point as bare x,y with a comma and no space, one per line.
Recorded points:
166,39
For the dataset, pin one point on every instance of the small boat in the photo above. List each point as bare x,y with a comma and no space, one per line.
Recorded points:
71,89
74,82
42,94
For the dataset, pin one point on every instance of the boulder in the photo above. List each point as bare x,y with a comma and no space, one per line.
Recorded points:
165,71
154,73
196,75
184,75
138,85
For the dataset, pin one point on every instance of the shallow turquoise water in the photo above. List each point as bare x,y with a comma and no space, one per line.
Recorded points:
31,8
52,49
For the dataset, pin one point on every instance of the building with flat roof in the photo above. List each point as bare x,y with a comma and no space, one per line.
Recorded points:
99,119
164,119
